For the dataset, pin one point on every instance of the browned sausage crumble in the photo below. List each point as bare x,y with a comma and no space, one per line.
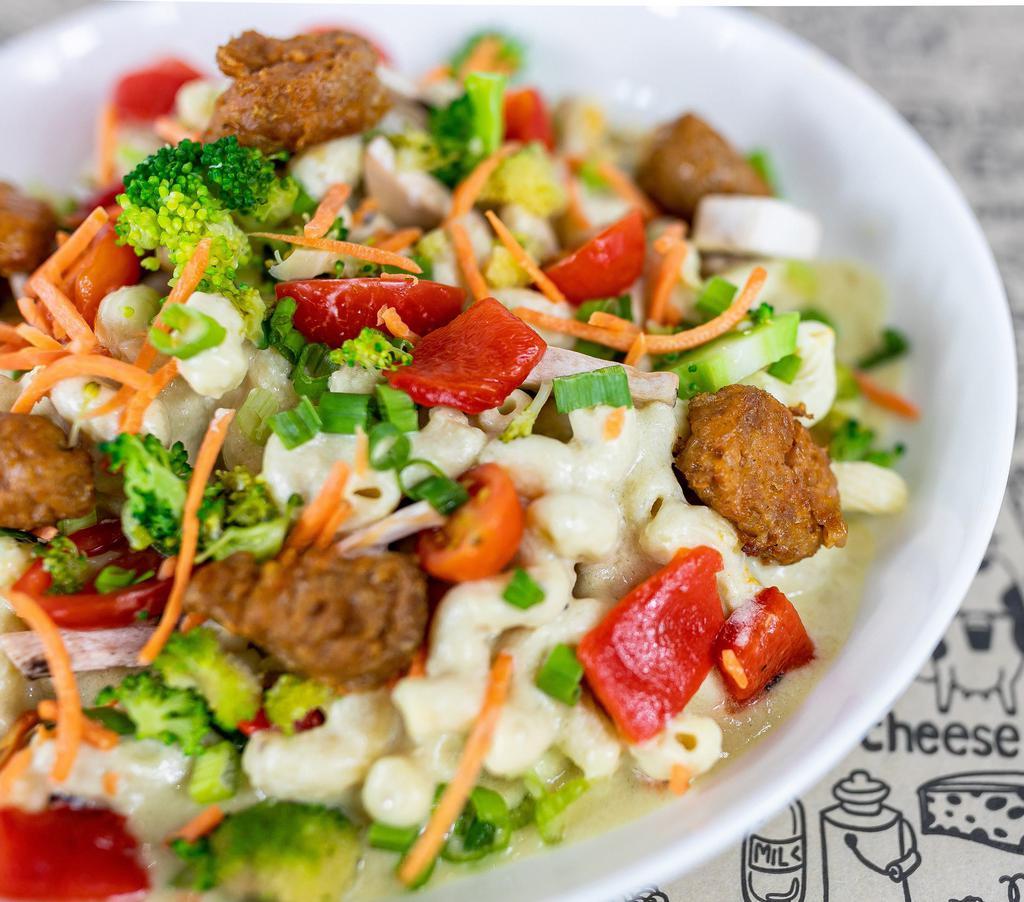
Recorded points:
748,458
352,623
41,480
290,94
688,159
27,228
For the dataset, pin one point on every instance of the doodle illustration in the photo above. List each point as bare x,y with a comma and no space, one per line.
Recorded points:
1013,889
986,808
983,651
649,894
774,865
868,849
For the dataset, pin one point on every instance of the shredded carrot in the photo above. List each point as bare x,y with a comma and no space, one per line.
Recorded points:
206,459
333,524
28,358
191,620
390,318
732,666
31,313
482,58
61,259
13,771
883,397
61,237
64,312
111,778
614,423
400,240
361,458
548,288
71,723
166,568
679,779
95,734
637,350
327,210
574,211
135,412
433,76
673,233
608,337
37,338
613,322
367,206
449,806
317,513
16,736
78,365
172,131
665,280
106,144
466,258
205,822
418,664
13,334
345,248
626,188
468,190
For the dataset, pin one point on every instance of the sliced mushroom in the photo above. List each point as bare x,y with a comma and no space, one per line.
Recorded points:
405,522
759,226
408,198
88,649
643,386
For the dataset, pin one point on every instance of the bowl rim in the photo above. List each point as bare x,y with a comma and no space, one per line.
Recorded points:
664,861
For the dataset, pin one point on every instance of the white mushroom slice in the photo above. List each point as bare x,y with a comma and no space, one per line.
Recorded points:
763,226
88,649
405,522
867,488
408,198
643,386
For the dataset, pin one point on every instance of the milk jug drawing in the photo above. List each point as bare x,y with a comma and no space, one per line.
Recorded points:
774,865
868,849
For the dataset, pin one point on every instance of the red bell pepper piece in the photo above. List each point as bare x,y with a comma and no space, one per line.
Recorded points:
144,94
607,265
68,853
259,723
652,651
333,310
761,640
472,364
527,118
105,266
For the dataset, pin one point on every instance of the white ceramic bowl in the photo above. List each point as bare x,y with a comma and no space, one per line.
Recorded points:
842,152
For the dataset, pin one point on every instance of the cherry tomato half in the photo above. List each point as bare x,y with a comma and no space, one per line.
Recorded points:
68,853
482,536
144,94
333,310
103,267
527,118
607,265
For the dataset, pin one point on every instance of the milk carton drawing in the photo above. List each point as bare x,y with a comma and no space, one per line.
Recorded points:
868,849
774,867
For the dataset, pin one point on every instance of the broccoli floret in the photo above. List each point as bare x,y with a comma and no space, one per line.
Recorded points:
508,56
502,270
175,716
470,128
291,698
196,660
238,513
526,178
852,441
214,774
67,566
276,851
155,484
374,350
242,177
434,246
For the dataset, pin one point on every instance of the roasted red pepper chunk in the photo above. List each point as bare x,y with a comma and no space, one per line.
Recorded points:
652,651
334,310
68,853
607,265
472,364
104,267
147,93
761,640
527,118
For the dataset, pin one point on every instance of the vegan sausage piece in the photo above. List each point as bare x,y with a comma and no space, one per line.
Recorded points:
27,227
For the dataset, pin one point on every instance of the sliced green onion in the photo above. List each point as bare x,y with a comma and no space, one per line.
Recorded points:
67,527
522,591
398,408
442,493
894,345
609,385
550,804
297,426
192,332
524,813
762,313
716,297
281,334
259,405
486,93
786,368
761,162
342,412
560,675
392,839
111,578
389,447
620,306
313,370
483,827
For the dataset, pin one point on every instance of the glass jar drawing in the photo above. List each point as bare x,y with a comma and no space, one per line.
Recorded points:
868,849
774,867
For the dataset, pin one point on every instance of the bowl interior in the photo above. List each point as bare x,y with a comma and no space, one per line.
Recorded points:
884,200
